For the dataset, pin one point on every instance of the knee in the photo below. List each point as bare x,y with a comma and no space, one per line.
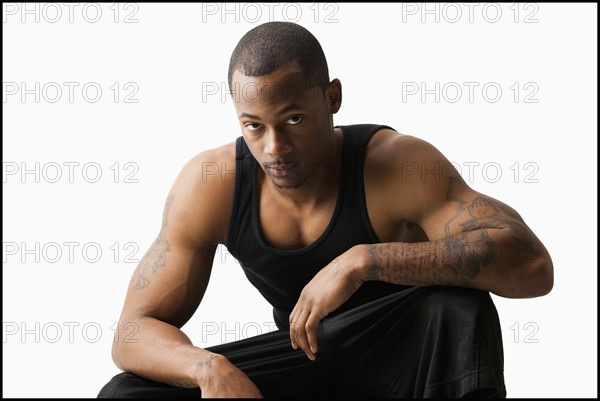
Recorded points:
123,385
445,304
129,385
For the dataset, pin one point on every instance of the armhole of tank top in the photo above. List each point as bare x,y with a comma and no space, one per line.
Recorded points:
361,181
236,194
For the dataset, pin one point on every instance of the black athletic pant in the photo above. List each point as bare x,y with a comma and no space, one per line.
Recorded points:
421,342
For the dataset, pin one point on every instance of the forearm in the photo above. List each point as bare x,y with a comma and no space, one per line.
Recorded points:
488,259
161,352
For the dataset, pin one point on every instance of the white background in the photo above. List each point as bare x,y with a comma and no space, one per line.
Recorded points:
59,311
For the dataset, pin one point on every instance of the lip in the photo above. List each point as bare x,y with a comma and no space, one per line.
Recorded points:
282,170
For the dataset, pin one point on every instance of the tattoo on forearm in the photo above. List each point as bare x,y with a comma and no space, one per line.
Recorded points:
156,254
205,365
446,261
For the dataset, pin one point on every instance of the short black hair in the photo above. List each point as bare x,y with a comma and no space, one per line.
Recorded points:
272,45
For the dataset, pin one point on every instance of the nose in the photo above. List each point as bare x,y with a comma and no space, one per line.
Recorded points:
276,144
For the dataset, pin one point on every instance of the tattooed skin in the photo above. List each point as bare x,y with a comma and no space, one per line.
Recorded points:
155,257
204,366
486,212
458,258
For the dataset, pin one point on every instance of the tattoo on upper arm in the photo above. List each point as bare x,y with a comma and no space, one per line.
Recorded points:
488,213
156,254
482,212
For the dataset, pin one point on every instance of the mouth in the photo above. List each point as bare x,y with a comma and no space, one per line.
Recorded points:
282,170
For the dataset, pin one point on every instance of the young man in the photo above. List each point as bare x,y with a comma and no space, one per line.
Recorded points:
377,257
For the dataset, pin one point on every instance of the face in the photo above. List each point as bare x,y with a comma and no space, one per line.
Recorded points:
288,128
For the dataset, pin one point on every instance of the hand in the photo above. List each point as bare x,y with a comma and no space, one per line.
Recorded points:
326,292
219,378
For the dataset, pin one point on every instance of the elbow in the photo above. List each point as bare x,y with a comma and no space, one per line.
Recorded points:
533,280
117,355
544,275
531,271
538,278
121,351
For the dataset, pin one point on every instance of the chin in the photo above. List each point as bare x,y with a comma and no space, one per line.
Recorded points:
287,184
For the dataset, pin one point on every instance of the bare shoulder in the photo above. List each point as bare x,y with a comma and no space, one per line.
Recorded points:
202,195
391,147
408,171
209,166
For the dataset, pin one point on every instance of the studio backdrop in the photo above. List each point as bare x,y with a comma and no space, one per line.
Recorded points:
103,104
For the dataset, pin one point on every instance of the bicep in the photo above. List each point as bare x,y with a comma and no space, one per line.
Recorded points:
170,281
455,208
431,193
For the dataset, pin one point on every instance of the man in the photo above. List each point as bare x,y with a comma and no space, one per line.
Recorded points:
379,271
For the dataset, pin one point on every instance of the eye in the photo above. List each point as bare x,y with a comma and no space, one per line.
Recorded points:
294,120
252,126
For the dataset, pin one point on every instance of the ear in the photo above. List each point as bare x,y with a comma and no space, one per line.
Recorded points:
333,95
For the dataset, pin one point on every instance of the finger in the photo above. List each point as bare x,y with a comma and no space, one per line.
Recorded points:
293,327
296,331
301,337
311,330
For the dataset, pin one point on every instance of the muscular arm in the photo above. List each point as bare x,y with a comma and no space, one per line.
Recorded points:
170,281
164,291
466,239
474,240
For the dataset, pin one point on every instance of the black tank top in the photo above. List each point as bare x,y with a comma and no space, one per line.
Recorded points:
280,275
